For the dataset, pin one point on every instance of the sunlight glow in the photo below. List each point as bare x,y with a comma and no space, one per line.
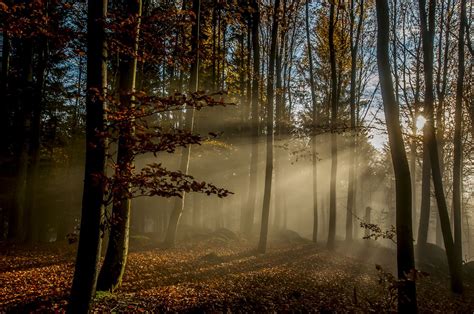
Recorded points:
420,123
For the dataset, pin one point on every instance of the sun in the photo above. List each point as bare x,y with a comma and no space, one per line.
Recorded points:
420,122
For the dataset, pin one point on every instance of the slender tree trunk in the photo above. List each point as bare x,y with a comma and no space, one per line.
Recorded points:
334,105
425,206
25,100
248,128
262,245
425,196
88,253
405,256
32,219
111,273
413,169
314,152
442,85
5,107
457,165
353,131
427,27
248,224
189,125
279,128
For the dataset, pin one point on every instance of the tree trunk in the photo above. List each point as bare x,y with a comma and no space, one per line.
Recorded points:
25,100
353,132
334,105
111,273
262,245
189,125
405,258
425,196
441,88
5,107
88,253
32,219
314,153
457,164
427,28
248,224
278,190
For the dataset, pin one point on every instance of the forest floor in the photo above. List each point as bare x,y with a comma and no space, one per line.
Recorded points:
220,275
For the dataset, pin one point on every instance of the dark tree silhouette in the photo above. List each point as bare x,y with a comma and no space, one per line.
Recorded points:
405,255
92,225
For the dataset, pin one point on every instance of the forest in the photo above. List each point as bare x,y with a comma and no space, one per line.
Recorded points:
215,156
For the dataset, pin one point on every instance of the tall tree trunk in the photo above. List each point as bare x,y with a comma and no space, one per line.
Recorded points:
5,107
353,131
314,153
248,125
425,196
442,80
32,219
262,245
25,101
334,105
111,273
189,125
279,105
405,256
90,239
457,164
427,28
248,224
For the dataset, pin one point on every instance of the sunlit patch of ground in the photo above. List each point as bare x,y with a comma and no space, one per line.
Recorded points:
213,277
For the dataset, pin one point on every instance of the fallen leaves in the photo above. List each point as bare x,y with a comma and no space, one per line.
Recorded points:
215,278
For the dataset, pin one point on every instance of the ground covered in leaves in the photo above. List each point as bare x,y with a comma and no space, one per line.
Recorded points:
217,276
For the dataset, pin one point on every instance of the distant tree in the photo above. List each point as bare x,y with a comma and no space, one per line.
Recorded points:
457,164
189,124
314,126
250,207
334,111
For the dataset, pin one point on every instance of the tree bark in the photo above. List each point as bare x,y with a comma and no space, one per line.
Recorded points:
457,163
113,268
262,245
88,253
425,196
427,28
32,220
25,100
249,219
353,132
405,255
5,107
334,105
279,105
314,153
